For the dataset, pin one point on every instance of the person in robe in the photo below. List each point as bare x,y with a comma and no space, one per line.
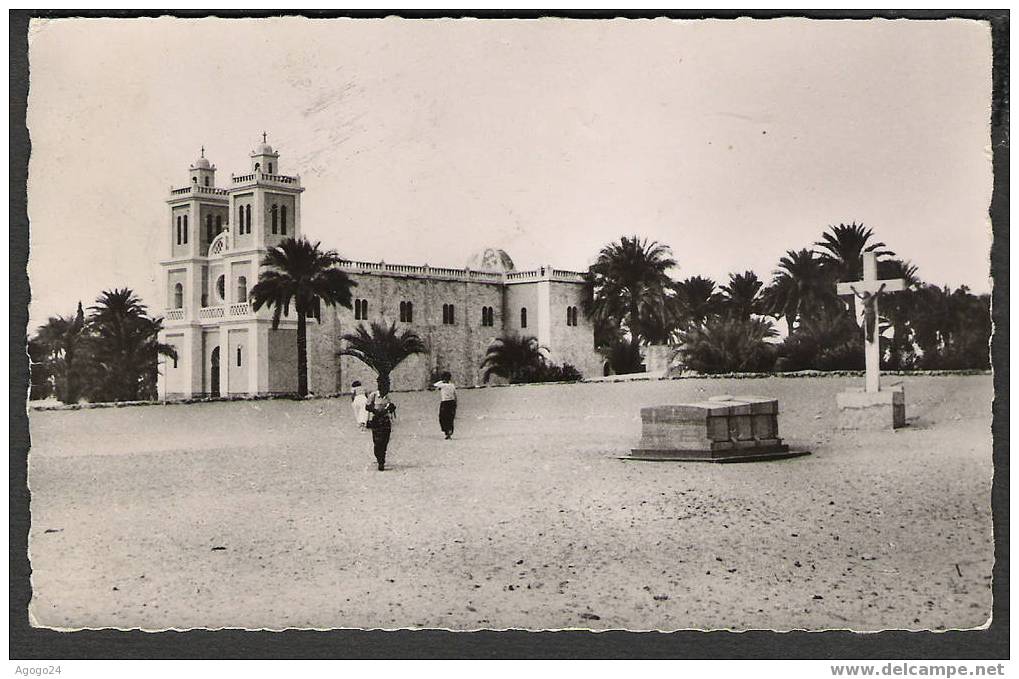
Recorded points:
358,401
447,403
382,409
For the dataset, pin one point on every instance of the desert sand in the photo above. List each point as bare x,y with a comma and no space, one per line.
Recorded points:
271,514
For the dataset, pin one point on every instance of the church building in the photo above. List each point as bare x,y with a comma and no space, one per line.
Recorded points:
217,239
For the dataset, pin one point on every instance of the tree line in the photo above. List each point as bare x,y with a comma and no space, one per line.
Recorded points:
634,301
111,353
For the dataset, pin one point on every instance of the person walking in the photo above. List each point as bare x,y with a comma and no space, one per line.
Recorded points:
382,409
447,403
358,401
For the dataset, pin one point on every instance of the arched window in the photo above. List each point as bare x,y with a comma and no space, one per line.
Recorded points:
571,315
194,180
206,181
240,219
178,296
238,355
523,317
270,168
221,288
258,166
209,233
448,314
487,316
178,229
247,218
283,220
360,309
242,289
185,234
275,217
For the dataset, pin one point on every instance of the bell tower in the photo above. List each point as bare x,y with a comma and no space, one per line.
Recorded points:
264,159
265,205
203,173
218,241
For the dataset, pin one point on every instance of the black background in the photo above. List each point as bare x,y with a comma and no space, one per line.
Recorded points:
29,643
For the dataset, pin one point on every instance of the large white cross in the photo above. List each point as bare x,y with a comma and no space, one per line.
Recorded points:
866,293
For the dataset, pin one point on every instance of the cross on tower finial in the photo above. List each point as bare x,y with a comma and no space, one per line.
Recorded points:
203,150
263,136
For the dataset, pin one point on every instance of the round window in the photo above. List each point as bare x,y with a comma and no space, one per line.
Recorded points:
221,287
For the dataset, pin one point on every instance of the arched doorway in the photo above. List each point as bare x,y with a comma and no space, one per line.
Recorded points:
214,379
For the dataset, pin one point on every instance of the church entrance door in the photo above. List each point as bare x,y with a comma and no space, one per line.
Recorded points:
214,380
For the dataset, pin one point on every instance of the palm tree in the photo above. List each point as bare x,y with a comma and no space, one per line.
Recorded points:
898,308
741,295
60,340
126,347
729,344
381,347
630,287
696,300
951,329
515,358
842,249
799,288
301,274
828,340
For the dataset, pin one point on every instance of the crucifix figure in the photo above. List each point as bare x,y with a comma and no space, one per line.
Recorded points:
867,293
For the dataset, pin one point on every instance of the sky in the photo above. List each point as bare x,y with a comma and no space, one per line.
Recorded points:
423,141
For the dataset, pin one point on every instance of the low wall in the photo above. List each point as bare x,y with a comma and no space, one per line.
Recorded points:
636,377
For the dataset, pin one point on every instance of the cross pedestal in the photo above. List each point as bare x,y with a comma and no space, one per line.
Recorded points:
871,407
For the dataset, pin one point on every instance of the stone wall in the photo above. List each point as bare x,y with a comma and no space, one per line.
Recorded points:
568,343
323,342
658,358
459,347
283,361
237,339
175,379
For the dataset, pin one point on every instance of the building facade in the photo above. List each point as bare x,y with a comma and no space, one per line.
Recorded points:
218,238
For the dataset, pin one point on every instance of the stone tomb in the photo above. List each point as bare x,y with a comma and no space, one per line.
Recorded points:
721,429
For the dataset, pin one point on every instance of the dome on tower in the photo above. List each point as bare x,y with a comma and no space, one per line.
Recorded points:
202,164
491,259
263,149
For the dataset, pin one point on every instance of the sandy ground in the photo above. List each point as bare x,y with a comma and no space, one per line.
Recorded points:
272,515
